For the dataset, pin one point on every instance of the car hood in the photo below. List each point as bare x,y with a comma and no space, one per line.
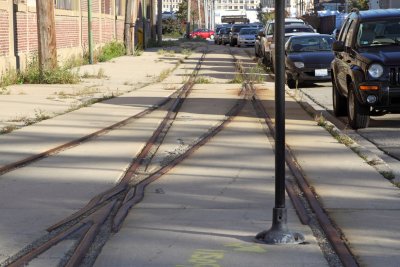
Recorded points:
389,56
247,36
318,57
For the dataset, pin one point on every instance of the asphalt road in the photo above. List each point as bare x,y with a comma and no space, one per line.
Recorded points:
383,131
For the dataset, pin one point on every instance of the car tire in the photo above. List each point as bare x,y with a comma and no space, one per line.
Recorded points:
231,43
339,102
358,114
291,83
271,66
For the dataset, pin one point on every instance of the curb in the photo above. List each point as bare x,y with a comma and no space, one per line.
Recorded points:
330,123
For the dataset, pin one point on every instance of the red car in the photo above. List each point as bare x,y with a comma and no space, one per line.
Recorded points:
202,33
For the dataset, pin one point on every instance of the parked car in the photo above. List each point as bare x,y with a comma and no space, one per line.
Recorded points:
202,33
247,37
289,29
216,36
366,67
233,35
266,37
308,57
257,43
225,35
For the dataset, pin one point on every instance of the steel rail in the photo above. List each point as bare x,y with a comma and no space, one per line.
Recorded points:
33,158
261,112
92,223
135,194
333,234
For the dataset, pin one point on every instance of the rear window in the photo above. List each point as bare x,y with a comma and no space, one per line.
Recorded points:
300,29
238,27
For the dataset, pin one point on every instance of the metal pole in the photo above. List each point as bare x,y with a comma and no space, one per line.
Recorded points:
279,232
188,20
213,14
90,35
205,5
159,22
199,10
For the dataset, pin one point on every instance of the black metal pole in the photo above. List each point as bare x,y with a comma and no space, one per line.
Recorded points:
279,233
279,105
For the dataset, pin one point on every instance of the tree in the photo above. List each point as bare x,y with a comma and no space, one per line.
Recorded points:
260,14
359,4
263,17
181,14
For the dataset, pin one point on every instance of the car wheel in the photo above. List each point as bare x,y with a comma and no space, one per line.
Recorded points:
358,114
338,101
291,83
271,66
231,43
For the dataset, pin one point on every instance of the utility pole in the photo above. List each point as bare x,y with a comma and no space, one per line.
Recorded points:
153,19
188,20
90,34
205,5
199,9
46,35
159,22
127,27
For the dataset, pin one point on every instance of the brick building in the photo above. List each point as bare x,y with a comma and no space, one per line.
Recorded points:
18,28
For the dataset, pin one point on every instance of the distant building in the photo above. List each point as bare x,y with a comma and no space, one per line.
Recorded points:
170,5
236,4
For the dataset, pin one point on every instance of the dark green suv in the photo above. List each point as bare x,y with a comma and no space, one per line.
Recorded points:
366,67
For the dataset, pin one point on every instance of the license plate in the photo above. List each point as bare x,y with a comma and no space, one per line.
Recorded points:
321,72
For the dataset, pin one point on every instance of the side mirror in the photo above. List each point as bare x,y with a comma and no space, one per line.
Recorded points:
338,46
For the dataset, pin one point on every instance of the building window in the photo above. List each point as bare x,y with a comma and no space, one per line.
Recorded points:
64,4
106,6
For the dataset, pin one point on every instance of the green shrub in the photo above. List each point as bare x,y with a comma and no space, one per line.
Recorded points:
110,51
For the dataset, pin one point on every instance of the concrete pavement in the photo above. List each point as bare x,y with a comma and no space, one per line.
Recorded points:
208,209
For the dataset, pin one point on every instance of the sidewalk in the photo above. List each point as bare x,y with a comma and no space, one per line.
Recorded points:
206,211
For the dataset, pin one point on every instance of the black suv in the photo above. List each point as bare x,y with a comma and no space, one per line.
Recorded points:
366,67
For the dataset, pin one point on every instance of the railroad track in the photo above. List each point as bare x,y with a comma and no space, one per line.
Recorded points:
114,204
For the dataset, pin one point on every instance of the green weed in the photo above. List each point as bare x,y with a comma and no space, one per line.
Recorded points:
203,80
387,174
163,75
8,129
237,79
99,75
138,51
111,50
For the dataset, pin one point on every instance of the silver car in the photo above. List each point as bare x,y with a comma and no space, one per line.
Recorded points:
247,37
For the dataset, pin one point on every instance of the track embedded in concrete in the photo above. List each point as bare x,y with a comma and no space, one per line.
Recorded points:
117,201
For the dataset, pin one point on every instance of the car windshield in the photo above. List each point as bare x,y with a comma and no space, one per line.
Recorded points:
238,28
248,31
310,44
378,33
